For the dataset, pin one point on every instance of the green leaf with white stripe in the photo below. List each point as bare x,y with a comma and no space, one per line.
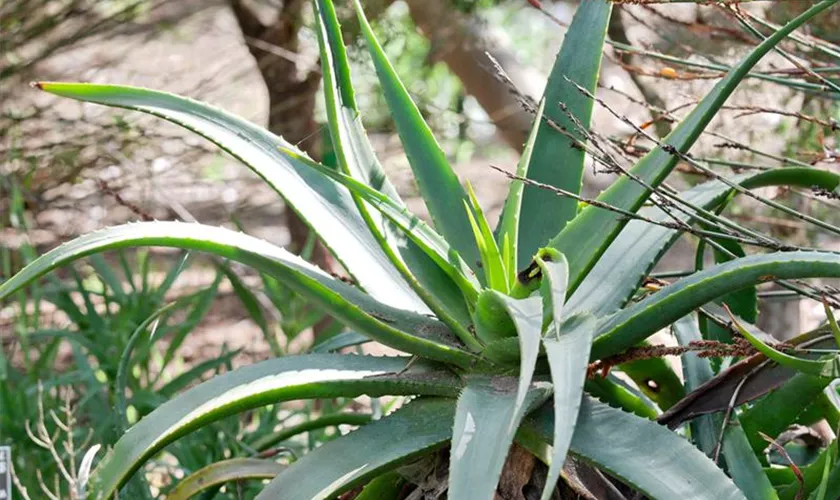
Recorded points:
439,186
401,329
588,235
491,408
567,345
354,153
272,381
426,238
341,464
642,319
507,229
219,473
567,349
328,209
641,453
614,279
356,158
557,159
486,420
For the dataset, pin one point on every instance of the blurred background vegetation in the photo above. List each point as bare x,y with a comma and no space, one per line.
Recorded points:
67,168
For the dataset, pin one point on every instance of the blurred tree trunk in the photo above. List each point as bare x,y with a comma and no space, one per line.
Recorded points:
463,46
618,33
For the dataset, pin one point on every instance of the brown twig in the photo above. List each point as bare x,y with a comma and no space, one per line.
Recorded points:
701,28
631,215
793,467
703,348
537,5
114,193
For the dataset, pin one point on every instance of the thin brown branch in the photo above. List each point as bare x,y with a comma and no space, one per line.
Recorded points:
699,2
703,348
701,28
115,194
793,467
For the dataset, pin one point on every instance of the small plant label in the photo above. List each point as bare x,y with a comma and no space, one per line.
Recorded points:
5,472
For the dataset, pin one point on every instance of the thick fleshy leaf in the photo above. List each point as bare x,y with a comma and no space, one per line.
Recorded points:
438,184
265,441
356,158
492,259
555,273
743,465
696,372
354,152
492,321
567,349
219,473
645,455
339,465
272,381
656,379
491,408
828,368
424,237
328,209
557,159
388,486
617,275
527,315
619,394
486,420
640,320
750,378
340,341
585,238
507,229
743,302
398,328
779,410
567,343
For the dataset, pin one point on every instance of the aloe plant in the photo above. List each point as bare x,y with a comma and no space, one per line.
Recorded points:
501,327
